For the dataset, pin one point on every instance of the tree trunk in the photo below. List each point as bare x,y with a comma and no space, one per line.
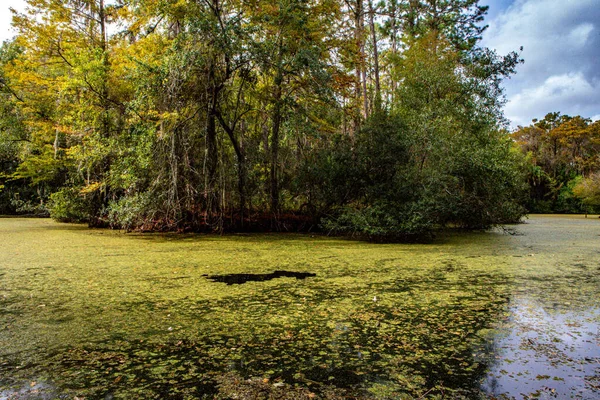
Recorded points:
275,143
56,143
394,33
100,198
241,164
106,67
363,61
211,195
377,102
361,84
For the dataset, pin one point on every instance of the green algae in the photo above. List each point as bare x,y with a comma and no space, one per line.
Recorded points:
97,313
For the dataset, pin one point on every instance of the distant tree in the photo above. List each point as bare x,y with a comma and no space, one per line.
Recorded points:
588,189
559,149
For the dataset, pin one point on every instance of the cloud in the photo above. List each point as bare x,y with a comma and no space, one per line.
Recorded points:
581,34
561,41
570,93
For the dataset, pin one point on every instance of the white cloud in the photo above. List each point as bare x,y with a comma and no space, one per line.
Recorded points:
562,86
569,93
561,41
580,35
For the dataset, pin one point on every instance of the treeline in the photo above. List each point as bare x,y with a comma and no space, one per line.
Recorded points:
563,163
375,118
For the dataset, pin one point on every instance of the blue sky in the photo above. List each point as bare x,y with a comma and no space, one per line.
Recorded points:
561,48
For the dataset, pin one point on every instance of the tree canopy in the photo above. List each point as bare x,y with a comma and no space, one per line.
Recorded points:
377,118
563,155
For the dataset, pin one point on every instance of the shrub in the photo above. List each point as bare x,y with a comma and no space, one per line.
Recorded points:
68,205
129,212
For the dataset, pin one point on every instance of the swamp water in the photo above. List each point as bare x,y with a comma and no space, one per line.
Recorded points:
102,315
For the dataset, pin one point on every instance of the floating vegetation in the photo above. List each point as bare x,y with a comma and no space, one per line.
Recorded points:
99,314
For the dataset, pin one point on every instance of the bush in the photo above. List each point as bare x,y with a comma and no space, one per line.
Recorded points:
29,207
128,212
588,190
68,205
381,223
404,188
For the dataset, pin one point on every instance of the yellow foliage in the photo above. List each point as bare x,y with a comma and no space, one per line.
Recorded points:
92,187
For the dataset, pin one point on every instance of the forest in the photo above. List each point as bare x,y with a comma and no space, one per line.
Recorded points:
563,163
381,119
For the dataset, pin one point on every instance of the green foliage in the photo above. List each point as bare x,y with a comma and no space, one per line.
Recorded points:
588,190
437,160
379,198
458,20
28,207
130,212
566,201
217,115
560,151
69,205
41,168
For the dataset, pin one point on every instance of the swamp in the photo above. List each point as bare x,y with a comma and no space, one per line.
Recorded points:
99,314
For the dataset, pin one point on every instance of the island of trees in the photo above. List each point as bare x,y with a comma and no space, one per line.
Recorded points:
381,119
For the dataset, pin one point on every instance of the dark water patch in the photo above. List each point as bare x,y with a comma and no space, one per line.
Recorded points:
32,391
238,279
58,321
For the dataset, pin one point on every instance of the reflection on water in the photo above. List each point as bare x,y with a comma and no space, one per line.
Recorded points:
546,353
33,390
549,344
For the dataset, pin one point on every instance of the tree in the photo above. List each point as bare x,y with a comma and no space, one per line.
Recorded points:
560,150
291,56
439,158
459,21
221,114
62,80
588,189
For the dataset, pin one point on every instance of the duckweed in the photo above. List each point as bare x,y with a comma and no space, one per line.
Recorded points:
102,314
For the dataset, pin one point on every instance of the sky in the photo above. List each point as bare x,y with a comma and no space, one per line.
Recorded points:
561,49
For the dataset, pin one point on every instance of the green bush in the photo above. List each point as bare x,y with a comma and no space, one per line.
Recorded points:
396,193
128,212
29,207
68,205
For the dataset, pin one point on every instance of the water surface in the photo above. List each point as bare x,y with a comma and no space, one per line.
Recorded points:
101,314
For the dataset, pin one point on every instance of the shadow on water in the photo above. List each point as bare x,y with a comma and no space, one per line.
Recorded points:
238,279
